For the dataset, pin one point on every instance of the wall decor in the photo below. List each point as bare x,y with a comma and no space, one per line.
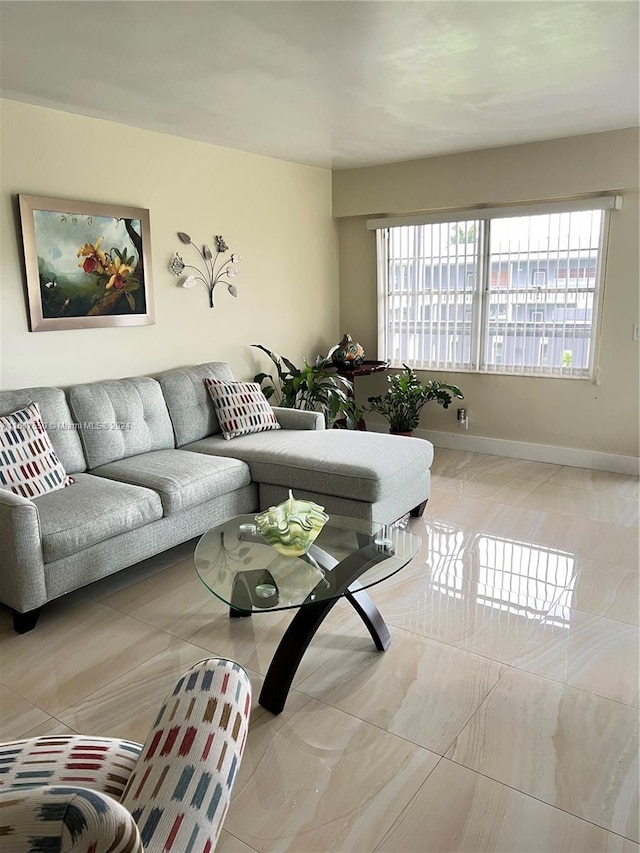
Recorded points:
215,269
88,265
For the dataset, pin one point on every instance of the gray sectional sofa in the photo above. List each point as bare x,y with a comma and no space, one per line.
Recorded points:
151,469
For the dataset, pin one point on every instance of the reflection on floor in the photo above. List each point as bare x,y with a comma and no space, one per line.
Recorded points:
503,717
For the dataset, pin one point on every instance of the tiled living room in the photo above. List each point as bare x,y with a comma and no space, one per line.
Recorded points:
503,716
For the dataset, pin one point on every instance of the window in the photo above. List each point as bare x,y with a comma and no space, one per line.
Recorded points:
495,292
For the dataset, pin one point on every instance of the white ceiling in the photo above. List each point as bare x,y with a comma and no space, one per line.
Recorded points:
332,84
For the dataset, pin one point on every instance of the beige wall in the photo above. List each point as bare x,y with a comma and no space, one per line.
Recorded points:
567,413
276,215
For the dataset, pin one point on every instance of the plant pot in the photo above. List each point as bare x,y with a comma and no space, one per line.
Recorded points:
341,423
407,432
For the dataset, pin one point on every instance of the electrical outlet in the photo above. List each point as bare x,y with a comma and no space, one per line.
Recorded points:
636,332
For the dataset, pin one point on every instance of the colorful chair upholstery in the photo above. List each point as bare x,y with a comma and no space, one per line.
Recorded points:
92,795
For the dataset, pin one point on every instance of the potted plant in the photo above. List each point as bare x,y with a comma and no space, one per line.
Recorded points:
351,417
316,387
405,397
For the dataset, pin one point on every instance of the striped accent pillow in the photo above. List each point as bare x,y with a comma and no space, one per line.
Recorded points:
241,408
28,463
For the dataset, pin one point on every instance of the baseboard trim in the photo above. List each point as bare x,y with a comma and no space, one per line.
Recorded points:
617,463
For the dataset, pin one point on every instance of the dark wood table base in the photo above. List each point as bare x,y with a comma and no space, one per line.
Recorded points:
342,577
299,634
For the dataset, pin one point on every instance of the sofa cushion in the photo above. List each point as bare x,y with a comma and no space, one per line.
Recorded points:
241,407
28,463
191,408
91,510
121,418
364,466
61,429
181,479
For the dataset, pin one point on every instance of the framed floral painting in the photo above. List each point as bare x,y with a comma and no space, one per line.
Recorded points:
88,265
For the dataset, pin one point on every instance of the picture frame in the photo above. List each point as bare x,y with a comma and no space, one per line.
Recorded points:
88,265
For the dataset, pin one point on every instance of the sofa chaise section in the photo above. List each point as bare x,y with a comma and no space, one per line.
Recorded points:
362,475
359,474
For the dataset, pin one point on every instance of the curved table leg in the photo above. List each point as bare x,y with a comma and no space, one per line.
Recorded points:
289,653
299,634
371,617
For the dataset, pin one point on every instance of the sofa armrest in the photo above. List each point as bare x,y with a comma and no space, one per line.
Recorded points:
298,418
66,819
181,786
22,582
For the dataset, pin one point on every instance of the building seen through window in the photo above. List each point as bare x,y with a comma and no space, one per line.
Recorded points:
501,295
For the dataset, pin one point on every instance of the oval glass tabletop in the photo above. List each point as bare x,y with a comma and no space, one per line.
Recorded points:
239,567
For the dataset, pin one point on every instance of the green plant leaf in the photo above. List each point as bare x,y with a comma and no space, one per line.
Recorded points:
406,396
130,300
290,365
315,386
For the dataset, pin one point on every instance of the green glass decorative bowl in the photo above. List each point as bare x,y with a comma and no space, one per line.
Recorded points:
292,526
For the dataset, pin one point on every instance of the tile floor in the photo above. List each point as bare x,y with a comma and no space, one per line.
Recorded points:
503,717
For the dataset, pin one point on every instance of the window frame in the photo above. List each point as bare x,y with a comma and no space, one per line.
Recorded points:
482,292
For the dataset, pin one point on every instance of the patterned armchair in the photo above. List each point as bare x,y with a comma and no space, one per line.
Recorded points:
92,795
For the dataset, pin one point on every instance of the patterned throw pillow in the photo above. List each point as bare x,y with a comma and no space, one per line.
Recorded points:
241,408
28,463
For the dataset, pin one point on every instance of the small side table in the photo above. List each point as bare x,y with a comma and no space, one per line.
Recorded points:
366,368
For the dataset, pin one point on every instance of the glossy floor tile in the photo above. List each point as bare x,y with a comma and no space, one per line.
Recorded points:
630,516
566,747
596,540
617,545
582,650
126,707
18,715
254,640
607,590
71,654
579,503
173,599
228,843
459,810
489,487
49,728
317,779
514,653
599,481
519,469
482,593
418,689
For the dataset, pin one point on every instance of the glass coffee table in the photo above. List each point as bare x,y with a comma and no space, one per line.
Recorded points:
238,566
